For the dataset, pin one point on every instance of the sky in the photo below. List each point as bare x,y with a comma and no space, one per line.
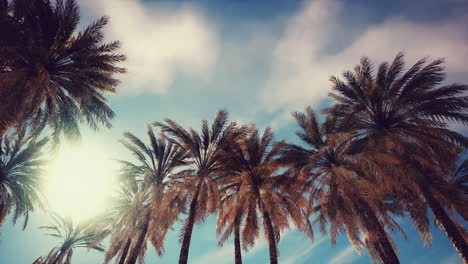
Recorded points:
260,60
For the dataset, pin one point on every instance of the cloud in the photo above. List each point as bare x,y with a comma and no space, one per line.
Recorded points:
281,119
301,255
347,255
302,62
160,42
447,39
295,67
220,255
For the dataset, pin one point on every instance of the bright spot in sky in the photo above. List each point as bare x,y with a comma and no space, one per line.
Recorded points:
79,180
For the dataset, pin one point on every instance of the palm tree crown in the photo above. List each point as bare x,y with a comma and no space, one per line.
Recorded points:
48,70
20,169
342,187
262,192
82,235
406,115
156,162
120,220
197,183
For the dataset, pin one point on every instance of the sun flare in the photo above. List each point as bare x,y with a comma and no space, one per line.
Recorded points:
78,181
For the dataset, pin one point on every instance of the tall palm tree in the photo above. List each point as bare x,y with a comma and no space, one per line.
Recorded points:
196,184
406,115
155,162
20,169
50,70
72,236
262,192
341,184
229,215
120,220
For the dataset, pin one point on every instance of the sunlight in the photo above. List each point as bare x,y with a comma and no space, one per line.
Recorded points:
78,181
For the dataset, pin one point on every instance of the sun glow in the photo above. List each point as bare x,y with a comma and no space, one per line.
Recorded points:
78,181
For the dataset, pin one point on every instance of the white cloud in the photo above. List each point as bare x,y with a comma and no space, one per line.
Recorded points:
448,39
300,256
281,119
260,244
295,67
347,255
221,255
160,42
301,66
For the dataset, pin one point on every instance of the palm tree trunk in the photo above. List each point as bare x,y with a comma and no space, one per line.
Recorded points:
125,252
378,247
271,238
189,222
383,245
447,225
141,238
59,256
390,256
237,247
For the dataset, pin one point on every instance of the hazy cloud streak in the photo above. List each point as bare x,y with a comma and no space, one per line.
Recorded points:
347,255
301,65
160,42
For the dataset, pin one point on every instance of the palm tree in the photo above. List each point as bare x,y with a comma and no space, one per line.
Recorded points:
72,236
262,192
156,162
197,183
458,182
20,169
48,69
230,216
120,220
342,185
406,116
460,176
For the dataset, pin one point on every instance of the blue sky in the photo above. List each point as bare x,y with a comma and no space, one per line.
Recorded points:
260,60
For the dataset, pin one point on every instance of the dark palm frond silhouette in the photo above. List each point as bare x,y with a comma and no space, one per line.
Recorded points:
49,71
406,114
260,193
72,236
20,170
458,186
341,185
155,162
459,177
196,185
